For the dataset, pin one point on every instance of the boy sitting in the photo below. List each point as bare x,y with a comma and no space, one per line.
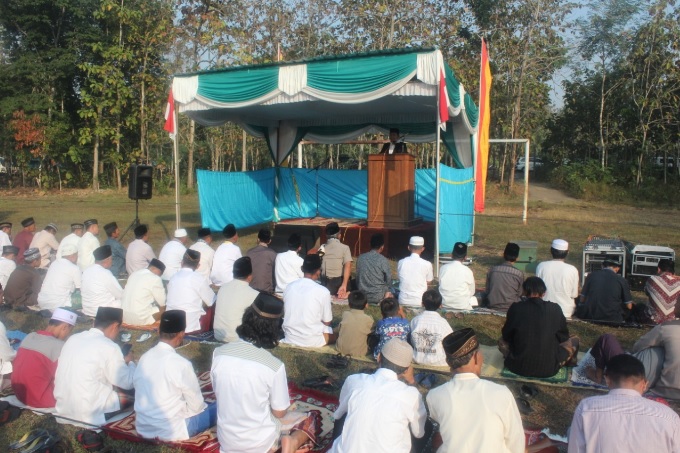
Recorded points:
428,330
393,324
355,327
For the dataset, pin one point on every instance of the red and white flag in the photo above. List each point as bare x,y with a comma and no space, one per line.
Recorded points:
443,101
170,125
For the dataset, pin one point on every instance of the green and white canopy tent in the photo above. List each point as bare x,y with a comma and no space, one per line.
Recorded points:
335,99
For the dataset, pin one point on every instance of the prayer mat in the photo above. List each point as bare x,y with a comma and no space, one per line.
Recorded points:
149,328
305,400
561,377
578,373
14,401
203,336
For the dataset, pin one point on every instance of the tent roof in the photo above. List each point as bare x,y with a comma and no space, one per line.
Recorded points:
332,99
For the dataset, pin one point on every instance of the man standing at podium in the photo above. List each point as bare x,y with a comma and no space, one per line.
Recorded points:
395,146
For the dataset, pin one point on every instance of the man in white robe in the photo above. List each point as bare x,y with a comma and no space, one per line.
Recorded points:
62,279
47,244
99,287
202,245
87,244
225,255
190,292
172,253
139,252
71,239
5,233
144,295
7,263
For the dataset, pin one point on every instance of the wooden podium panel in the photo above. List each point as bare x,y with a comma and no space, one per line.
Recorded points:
391,191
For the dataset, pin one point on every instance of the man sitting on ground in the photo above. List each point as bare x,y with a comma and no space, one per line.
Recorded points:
414,274
658,350
47,244
374,275
169,404
93,380
88,244
392,325
139,252
62,279
253,404
233,299
354,327
504,281
456,282
225,255
623,420
23,239
117,249
663,290
172,254
7,264
190,292
23,285
605,295
561,279
5,234
287,267
144,295
336,264
263,259
389,396
72,239
99,287
308,308
36,362
536,341
428,329
202,246
474,415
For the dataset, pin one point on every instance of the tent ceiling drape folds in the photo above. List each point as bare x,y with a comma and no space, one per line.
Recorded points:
334,99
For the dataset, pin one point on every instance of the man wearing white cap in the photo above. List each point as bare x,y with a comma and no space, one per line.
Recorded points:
172,253
62,279
560,278
387,397
36,362
71,239
47,244
414,274
88,243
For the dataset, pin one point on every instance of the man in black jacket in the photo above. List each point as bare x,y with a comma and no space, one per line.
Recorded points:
535,339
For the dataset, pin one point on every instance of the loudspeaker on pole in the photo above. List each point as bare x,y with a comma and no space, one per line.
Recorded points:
140,186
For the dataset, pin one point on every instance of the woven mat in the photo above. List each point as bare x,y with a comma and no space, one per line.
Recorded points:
561,377
302,400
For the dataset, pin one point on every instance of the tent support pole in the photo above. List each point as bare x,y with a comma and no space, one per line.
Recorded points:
299,155
526,182
436,199
175,146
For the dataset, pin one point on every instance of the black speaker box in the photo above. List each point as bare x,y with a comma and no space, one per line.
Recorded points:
140,186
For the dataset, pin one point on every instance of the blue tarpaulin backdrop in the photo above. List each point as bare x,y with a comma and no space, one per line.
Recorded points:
249,198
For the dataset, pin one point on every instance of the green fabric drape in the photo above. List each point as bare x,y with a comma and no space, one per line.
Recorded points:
238,86
360,75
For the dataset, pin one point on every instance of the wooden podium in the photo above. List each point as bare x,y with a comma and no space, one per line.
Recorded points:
391,191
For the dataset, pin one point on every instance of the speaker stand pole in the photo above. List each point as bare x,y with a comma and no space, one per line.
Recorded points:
135,223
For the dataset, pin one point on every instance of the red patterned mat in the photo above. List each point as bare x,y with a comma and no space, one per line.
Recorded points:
302,399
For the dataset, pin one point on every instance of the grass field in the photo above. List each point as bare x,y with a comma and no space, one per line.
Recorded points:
575,221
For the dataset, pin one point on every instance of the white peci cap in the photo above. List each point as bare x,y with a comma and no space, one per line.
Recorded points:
69,249
181,233
66,316
560,244
417,241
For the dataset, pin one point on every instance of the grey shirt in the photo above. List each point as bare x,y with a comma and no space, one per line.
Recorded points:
503,286
263,259
373,275
666,336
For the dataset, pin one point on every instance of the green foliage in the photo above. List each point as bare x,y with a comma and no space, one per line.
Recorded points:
582,179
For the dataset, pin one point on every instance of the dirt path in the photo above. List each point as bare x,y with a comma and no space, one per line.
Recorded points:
545,193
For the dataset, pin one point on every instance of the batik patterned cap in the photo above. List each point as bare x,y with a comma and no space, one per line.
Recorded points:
460,343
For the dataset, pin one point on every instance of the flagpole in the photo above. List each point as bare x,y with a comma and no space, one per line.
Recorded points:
175,146
436,198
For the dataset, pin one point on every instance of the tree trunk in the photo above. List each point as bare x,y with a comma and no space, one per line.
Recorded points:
190,163
95,164
603,153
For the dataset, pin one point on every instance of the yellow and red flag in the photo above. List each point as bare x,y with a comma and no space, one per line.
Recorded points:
482,160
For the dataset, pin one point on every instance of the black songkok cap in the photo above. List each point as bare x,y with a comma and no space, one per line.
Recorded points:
6,225
158,264
89,222
460,343
332,228
268,306
229,231
27,222
141,230
192,256
204,232
243,267
101,253
311,264
9,249
173,321
105,314
459,250
76,226
264,235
